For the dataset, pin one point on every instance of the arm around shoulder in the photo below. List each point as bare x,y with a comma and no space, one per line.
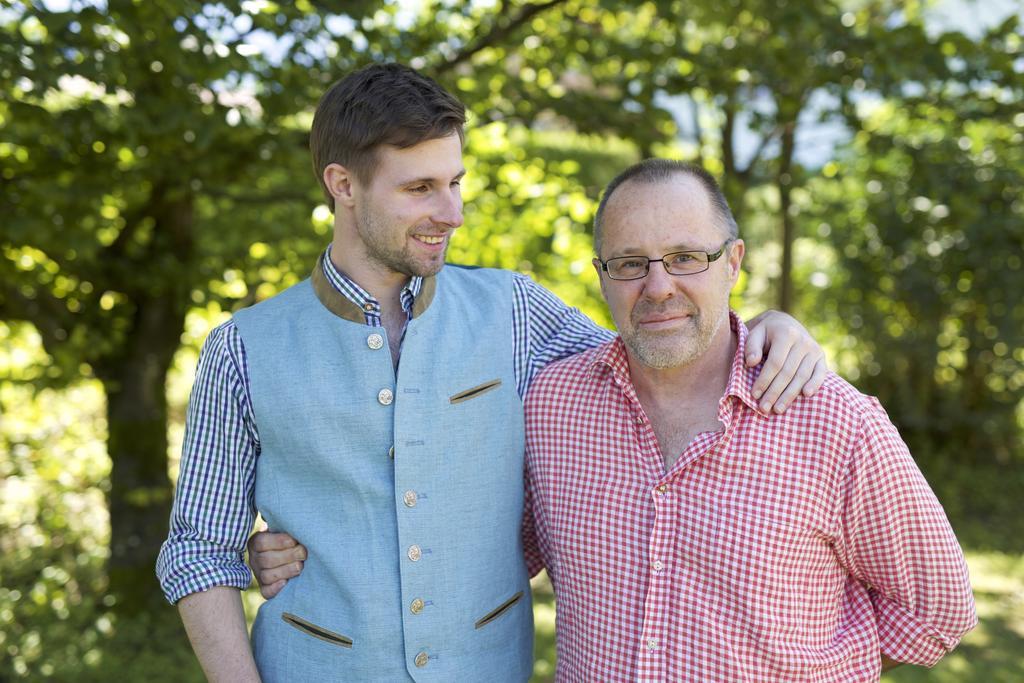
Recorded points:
551,329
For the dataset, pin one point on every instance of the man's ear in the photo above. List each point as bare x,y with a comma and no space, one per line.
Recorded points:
736,251
339,182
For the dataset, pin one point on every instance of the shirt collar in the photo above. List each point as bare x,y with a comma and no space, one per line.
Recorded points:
346,299
741,378
611,358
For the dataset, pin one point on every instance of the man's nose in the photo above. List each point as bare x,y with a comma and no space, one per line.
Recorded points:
659,285
449,209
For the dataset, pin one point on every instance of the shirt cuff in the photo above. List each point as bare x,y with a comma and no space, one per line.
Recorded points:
186,579
902,636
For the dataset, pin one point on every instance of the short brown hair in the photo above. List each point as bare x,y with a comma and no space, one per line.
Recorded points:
382,104
650,171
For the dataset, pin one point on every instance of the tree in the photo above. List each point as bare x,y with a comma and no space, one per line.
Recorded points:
141,142
924,214
753,75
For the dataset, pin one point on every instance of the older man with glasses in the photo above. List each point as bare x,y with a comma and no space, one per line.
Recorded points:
689,534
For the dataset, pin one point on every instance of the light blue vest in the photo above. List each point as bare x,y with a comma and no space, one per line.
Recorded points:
406,491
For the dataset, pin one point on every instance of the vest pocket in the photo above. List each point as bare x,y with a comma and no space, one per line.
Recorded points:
499,610
316,631
475,391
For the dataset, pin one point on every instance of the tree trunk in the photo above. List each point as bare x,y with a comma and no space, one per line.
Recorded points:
139,498
134,379
734,181
784,184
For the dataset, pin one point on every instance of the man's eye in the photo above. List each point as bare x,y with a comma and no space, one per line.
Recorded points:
682,259
419,189
631,265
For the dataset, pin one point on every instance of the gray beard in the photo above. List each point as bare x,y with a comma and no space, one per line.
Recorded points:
673,350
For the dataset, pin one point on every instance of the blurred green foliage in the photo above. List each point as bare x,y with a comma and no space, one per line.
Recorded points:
924,224
154,178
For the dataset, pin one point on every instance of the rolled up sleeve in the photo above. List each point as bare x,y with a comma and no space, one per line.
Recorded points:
214,507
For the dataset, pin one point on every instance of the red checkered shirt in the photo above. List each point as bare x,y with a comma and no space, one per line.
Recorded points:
794,547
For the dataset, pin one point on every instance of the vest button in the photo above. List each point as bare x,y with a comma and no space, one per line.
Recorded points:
375,341
409,498
421,659
415,553
391,452
385,397
417,606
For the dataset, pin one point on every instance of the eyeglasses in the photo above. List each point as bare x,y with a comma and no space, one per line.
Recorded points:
676,263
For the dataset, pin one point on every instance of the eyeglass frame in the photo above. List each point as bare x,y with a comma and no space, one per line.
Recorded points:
711,258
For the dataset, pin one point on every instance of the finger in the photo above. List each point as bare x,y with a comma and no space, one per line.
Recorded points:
267,577
817,378
799,381
780,380
273,589
271,559
264,540
778,353
755,346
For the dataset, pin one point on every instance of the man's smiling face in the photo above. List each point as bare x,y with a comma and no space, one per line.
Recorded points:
406,213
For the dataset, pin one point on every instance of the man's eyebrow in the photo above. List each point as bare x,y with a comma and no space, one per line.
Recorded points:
429,180
637,251
627,251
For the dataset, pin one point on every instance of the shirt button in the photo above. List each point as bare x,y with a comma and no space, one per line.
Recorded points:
385,397
662,490
639,419
375,341
421,659
367,307
409,498
658,566
417,606
391,452
415,553
652,643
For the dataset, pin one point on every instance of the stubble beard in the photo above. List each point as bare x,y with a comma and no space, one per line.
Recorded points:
374,233
664,350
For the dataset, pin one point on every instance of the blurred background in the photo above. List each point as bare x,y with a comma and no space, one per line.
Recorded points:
155,177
